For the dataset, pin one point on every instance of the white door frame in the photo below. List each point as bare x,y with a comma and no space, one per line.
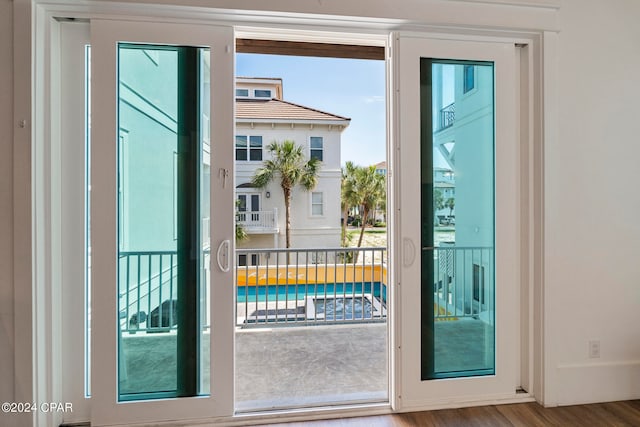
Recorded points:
415,393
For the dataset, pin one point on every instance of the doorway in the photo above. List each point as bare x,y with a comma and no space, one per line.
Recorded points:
312,271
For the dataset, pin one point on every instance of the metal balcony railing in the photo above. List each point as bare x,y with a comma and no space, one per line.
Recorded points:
273,287
463,282
276,287
310,286
447,116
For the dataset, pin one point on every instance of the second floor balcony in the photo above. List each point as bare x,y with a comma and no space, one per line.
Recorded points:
258,222
447,116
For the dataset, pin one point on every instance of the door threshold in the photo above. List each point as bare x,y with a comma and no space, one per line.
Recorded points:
347,410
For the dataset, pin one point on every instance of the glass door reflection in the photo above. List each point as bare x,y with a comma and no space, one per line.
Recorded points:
457,215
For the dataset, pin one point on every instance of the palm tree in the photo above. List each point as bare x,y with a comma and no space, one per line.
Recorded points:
347,196
241,233
438,199
369,189
289,164
450,203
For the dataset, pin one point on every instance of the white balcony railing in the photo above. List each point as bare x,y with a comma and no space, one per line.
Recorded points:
258,221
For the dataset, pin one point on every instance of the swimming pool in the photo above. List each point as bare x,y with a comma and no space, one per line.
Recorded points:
295,292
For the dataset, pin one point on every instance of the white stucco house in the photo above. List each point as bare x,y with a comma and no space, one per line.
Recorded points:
263,116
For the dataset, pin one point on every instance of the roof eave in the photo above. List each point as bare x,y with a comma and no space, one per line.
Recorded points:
343,123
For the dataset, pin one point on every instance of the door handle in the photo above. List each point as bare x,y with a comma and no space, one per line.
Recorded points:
225,244
409,252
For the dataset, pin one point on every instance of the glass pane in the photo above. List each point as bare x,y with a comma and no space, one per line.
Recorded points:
255,154
457,163
162,213
241,141
241,147
262,93
255,202
255,141
242,202
316,142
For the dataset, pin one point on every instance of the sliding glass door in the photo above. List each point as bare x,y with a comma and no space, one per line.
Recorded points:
157,298
458,191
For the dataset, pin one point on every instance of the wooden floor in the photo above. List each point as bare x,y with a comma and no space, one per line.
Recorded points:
523,414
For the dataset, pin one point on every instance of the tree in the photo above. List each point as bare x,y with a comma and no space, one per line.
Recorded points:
289,165
347,196
369,189
241,233
450,203
438,199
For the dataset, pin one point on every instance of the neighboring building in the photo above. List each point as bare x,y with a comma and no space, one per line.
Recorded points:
263,116
381,168
444,181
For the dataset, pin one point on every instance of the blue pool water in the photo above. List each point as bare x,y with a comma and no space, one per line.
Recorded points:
264,293
340,308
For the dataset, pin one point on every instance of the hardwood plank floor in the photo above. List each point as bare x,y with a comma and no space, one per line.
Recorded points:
616,414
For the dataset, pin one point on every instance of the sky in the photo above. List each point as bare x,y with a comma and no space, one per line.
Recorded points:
353,88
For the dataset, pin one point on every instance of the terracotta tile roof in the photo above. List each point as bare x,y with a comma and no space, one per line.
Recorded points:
277,109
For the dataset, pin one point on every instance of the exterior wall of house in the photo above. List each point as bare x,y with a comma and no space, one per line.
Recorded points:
148,151
307,230
252,84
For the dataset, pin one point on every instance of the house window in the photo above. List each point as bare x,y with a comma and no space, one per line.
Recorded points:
316,147
262,93
242,260
469,78
255,148
249,148
242,93
317,207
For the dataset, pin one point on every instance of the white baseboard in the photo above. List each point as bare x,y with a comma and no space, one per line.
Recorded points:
465,402
596,382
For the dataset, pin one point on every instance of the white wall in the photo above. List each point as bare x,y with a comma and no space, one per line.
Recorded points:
592,206
592,235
